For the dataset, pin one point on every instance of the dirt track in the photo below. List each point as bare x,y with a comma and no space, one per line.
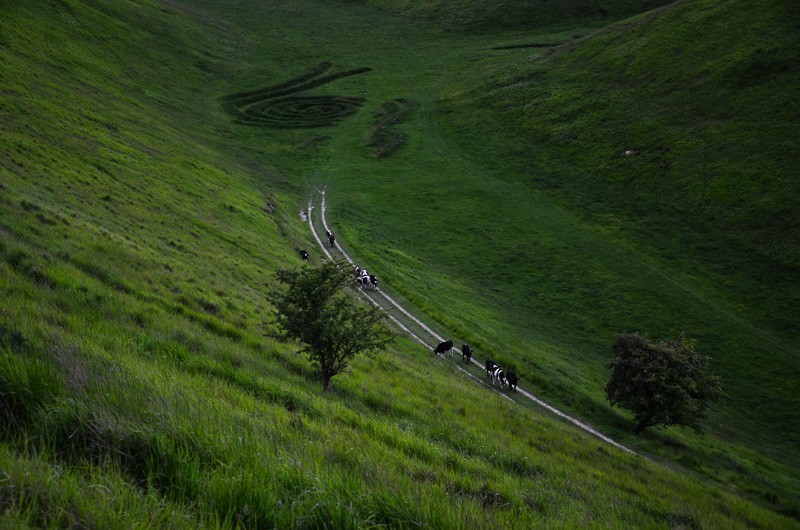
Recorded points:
406,321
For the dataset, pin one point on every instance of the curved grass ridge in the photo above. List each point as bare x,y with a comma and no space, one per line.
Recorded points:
279,106
527,45
383,137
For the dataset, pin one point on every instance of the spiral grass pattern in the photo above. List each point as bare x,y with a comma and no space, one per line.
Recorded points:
282,106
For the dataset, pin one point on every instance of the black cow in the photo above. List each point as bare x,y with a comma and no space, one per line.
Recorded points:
444,347
512,379
331,237
374,281
466,351
490,366
304,254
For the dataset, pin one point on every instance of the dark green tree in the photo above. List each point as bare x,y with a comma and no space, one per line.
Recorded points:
662,384
332,328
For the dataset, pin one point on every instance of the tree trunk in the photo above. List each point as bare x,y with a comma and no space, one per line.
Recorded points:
326,381
642,425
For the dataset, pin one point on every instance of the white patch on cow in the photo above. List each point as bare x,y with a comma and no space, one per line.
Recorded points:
498,377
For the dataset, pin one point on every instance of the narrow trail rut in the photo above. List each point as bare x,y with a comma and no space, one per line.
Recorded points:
422,333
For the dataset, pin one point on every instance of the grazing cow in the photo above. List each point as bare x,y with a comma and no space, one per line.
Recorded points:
512,379
490,366
374,281
304,254
498,377
444,347
466,351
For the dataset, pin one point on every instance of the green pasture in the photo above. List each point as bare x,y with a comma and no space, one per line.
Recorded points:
152,170
503,216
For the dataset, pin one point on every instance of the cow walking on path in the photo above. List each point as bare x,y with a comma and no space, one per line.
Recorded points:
512,378
466,352
490,366
444,347
499,377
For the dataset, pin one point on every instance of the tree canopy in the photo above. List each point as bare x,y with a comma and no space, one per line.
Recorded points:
662,384
331,326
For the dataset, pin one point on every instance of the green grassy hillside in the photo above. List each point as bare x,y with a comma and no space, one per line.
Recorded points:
140,227
515,235
703,93
706,203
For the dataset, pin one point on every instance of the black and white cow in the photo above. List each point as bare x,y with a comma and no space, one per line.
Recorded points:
373,280
511,377
444,347
499,377
466,352
304,254
364,279
331,237
490,366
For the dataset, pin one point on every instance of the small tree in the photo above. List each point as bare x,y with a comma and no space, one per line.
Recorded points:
330,325
662,384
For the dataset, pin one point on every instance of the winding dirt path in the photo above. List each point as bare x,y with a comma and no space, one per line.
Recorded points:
397,313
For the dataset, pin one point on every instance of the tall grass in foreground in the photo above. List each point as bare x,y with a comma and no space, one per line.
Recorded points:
240,437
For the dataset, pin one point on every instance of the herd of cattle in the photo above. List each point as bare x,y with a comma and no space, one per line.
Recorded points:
365,280
498,376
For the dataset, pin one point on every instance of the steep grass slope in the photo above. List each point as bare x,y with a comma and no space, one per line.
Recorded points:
506,218
708,188
707,191
703,93
140,382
